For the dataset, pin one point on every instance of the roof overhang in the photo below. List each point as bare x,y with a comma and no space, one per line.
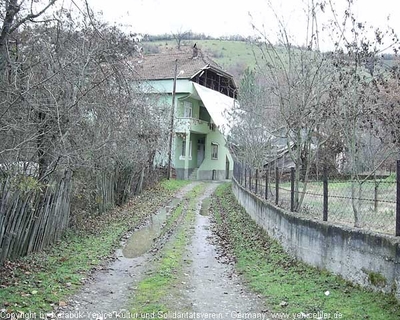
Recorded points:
217,71
218,106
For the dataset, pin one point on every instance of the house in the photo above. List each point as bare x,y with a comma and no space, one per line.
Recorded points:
203,94
278,154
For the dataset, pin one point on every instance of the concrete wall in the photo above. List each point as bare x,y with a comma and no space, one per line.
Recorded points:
219,174
180,173
362,257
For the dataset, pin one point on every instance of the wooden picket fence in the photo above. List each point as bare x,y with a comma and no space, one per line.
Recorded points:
31,218
34,216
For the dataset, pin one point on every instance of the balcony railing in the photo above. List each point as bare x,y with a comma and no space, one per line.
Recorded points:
193,125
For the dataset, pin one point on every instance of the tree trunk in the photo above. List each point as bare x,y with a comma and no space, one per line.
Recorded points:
11,11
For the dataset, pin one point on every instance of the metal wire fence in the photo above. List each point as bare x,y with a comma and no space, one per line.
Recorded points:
368,202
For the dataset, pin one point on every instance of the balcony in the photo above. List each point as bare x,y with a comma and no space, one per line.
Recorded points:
192,125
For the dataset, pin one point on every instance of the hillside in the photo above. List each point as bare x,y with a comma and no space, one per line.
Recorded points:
233,56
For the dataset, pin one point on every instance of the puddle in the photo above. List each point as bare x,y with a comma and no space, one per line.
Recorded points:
142,240
205,207
110,289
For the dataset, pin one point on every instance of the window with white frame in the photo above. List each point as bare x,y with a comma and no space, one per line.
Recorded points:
214,151
183,151
187,109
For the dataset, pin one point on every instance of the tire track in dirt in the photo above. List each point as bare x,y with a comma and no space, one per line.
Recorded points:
107,294
214,286
209,286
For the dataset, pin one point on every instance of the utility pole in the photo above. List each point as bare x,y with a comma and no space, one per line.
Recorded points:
171,133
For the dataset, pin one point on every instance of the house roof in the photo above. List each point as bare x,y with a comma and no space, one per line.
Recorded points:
162,65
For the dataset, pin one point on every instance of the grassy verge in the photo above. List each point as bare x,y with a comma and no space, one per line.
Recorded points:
174,185
378,216
287,285
150,295
41,281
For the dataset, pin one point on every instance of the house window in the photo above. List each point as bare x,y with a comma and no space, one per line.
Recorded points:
187,109
214,151
183,151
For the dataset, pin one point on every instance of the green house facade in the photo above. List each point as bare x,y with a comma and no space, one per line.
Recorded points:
203,95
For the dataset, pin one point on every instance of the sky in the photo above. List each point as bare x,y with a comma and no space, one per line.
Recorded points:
228,17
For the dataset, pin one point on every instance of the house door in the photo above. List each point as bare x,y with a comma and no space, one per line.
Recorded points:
227,168
201,148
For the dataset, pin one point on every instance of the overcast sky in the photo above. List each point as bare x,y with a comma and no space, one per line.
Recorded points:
227,17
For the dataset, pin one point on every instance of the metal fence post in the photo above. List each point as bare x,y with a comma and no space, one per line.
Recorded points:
250,179
291,189
375,196
398,199
276,185
266,182
256,181
241,174
325,204
236,171
245,177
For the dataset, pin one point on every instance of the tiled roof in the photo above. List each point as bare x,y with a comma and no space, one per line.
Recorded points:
162,65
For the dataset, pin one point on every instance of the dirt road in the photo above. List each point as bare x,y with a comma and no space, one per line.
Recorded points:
210,287
214,287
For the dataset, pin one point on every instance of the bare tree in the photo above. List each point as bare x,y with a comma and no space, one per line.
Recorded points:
70,104
16,13
250,120
355,89
181,35
326,104
295,82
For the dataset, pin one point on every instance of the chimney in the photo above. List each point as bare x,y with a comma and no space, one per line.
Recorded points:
195,52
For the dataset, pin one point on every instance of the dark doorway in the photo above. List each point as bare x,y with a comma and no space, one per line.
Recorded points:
201,148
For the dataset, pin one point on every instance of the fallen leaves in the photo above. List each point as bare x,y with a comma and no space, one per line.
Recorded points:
62,304
283,304
23,279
